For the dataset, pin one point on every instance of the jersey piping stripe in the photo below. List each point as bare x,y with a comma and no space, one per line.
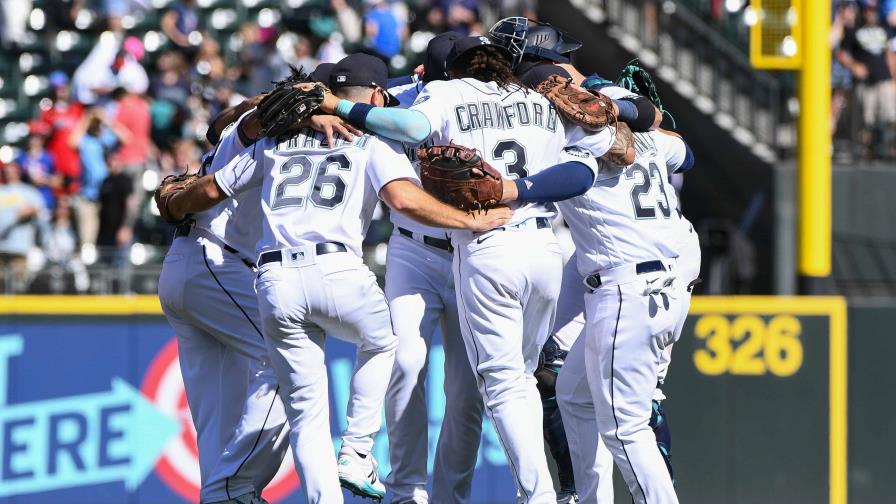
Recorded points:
613,394
463,303
255,444
215,277
276,391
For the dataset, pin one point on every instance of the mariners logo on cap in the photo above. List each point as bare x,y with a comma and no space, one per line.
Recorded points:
485,40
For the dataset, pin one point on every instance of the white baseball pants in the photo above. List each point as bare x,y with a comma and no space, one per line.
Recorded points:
208,298
630,322
507,282
420,290
301,302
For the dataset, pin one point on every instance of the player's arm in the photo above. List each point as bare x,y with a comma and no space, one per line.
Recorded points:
679,156
240,173
405,196
229,115
622,150
572,177
413,125
397,184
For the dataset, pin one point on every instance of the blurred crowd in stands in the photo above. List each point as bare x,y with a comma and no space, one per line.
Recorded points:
863,76
75,198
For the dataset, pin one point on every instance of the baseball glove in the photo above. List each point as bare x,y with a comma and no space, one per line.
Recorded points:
171,185
458,176
281,110
591,111
636,79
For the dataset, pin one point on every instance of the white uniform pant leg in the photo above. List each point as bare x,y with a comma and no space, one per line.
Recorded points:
506,285
212,303
296,347
416,306
688,268
350,305
570,320
458,445
625,335
592,462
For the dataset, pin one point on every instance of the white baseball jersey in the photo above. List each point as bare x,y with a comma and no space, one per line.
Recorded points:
406,95
521,130
312,193
235,223
634,215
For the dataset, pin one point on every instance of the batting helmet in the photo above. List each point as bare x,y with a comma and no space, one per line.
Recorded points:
546,42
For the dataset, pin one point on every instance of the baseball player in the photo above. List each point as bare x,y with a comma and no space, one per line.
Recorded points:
541,50
420,291
207,295
506,280
627,240
311,279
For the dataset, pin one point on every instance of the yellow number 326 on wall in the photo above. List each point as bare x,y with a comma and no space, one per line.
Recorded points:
749,345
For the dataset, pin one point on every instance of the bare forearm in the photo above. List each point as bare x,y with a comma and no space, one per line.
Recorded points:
200,196
425,209
622,152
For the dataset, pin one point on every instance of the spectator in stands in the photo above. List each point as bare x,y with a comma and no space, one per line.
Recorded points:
37,164
179,22
112,63
60,245
171,90
95,138
61,115
888,13
382,29
303,54
133,116
845,13
22,213
116,216
462,16
866,52
348,20
13,22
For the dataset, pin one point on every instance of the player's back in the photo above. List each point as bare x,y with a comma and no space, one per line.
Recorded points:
313,193
234,220
518,131
629,218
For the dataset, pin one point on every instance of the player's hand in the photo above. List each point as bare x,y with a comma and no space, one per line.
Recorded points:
330,124
485,220
328,106
510,191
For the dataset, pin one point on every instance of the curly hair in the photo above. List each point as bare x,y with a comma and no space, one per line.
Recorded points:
486,64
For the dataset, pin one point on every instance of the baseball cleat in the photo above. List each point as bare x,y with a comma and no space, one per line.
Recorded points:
567,498
359,474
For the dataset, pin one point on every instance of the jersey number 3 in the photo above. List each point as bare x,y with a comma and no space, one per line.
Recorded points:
327,190
516,168
642,210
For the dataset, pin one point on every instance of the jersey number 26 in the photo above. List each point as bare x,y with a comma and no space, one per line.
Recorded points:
327,189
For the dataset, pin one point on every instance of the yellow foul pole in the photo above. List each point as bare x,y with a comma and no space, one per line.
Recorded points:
814,144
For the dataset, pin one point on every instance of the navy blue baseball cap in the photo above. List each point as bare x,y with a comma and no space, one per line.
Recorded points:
361,69
435,60
322,73
467,44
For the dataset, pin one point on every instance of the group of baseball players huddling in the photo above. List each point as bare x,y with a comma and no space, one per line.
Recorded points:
268,262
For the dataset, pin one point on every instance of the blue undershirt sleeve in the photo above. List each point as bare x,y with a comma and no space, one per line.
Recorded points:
556,183
688,159
403,125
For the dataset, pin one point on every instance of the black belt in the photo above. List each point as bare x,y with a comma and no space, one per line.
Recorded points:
439,243
319,249
184,230
593,280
